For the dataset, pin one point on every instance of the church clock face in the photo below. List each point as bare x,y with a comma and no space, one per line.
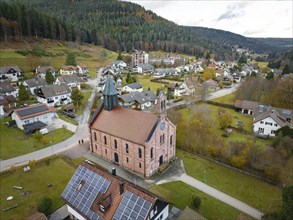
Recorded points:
163,125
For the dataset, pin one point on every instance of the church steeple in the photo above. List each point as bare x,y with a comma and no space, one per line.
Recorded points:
110,95
161,104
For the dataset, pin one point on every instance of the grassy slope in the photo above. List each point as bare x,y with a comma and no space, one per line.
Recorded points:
35,183
13,141
180,194
252,191
90,55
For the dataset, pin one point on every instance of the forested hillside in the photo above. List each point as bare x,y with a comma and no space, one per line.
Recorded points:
115,25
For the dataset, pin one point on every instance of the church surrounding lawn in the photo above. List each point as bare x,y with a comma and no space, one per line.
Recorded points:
35,186
13,141
227,99
180,194
261,195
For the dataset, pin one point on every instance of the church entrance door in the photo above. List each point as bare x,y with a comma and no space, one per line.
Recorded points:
116,158
161,160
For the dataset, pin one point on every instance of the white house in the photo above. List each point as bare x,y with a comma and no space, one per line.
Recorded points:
82,69
12,73
110,197
118,64
267,123
133,87
68,70
72,81
34,84
138,100
7,89
33,117
41,71
6,103
55,95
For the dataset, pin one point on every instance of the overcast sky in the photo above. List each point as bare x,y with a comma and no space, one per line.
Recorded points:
258,18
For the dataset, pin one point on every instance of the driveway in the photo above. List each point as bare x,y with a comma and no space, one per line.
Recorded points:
59,123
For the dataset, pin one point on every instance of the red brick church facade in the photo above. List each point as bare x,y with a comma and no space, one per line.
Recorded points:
138,141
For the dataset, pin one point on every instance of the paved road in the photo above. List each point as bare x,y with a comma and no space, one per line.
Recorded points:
241,206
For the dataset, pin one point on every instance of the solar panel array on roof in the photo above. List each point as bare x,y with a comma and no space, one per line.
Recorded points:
32,110
82,190
132,207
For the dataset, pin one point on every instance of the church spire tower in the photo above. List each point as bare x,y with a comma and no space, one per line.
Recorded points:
110,95
161,104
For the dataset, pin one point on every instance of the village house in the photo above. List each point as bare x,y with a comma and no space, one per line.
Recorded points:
6,103
93,193
138,141
138,100
34,84
82,69
7,89
144,68
11,73
68,70
133,87
72,81
42,70
246,107
118,64
139,57
55,95
33,117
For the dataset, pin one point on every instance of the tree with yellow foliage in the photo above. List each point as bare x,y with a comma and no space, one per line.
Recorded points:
208,74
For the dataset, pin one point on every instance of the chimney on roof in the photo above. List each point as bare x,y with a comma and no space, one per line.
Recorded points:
121,187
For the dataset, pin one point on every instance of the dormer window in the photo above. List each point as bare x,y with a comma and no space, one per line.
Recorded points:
82,182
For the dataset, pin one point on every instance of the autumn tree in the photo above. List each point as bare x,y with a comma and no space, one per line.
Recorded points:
225,120
208,73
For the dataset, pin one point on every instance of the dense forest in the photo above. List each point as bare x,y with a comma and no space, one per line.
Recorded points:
115,25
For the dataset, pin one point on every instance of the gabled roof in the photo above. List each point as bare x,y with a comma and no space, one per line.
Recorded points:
33,110
91,187
244,104
55,90
43,69
7,99
140,97
68,79
6,87
131,125
135,85
5,69
70,67
36,82
272,113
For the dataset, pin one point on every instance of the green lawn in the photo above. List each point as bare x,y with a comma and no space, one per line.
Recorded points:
35,186
13,141
227,99
64,118
252,191
180,194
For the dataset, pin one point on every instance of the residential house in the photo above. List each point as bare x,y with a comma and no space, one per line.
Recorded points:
7,102
68,70
82,69
34,84
33,117
55,95
138,141
211,84
138,100
246,107
72,81
133,87
144,68
93,193
11,73
267,123
7,89
118,64
42,70
139,57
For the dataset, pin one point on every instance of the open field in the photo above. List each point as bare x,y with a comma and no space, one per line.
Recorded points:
250,190
35,187
90,55
227,99
13,141
180,194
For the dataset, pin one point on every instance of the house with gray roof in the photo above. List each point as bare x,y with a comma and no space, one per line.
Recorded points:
6,103
7,89
72,81
41,71
138,100
133,87
268,122
34,84
11,73
33,117
246,107
55,95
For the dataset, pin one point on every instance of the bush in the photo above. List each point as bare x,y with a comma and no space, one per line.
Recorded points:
45,205
196,201
38,135
45,140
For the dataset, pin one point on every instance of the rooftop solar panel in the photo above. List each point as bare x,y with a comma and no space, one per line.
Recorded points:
132,207
32,110
83,199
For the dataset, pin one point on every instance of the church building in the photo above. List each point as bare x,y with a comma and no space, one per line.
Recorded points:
138,141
